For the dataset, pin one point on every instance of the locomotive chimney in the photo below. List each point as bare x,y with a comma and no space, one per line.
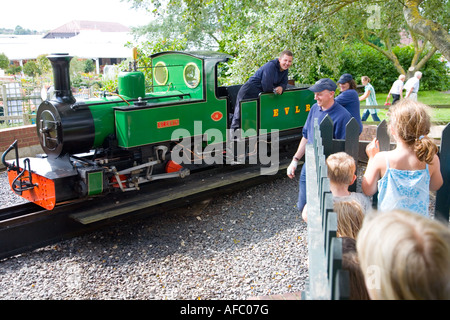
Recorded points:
61,77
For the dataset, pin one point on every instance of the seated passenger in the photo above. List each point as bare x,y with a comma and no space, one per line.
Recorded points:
271,77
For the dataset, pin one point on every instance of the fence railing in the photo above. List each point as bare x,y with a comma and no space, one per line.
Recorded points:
18,105
434,121
442,211
327,279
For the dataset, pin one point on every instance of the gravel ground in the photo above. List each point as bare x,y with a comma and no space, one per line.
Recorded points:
235,246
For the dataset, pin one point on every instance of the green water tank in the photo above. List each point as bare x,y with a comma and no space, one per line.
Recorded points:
132,84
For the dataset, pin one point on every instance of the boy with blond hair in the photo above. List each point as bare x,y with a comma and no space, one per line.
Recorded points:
341,169
342,174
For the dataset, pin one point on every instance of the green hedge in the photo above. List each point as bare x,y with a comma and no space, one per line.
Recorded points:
362,60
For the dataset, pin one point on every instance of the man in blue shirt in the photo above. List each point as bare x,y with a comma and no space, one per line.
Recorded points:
271,77
324,90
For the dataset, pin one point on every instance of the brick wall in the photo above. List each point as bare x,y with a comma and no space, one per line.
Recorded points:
26,136
27,142
369,132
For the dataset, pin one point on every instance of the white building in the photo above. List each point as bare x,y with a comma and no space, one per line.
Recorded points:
103,42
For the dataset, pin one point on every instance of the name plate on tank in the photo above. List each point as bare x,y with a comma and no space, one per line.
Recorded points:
168,123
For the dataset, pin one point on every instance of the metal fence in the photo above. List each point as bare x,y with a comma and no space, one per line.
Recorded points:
18,103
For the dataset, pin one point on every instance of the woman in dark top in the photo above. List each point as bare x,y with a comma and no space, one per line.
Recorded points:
349,98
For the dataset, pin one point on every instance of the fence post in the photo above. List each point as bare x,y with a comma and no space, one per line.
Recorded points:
341,286
326,132
442,195
334,265
384,142
383,137
352,139
5,101
351,144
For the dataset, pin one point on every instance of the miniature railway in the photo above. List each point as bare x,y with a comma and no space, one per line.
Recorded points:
28,227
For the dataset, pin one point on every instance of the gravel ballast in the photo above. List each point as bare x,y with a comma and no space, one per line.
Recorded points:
235,246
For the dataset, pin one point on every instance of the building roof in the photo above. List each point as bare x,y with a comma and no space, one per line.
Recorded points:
74,27
92,41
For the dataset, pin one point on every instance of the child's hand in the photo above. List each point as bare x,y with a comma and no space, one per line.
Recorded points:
373,148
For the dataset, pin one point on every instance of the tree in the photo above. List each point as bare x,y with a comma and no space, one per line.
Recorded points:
385,20
43,63
21,31
89,66
317,31
434,32
237,27
31,69
4,61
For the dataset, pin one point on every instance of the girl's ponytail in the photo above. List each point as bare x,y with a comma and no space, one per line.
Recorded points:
412,123
425,149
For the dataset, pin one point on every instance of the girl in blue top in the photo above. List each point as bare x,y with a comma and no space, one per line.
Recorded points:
404,176
371,99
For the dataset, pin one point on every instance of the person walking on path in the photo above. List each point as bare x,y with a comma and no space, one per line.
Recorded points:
412,86
397,89
371,99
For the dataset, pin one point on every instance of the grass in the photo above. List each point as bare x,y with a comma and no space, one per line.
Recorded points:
431,98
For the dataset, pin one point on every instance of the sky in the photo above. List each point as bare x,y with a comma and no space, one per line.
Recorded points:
43,15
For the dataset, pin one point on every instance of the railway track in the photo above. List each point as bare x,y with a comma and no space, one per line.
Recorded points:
28,227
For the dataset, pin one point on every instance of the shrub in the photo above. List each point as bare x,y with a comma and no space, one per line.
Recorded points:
4,61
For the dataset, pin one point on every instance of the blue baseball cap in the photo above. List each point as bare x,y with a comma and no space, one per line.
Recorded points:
346,77
323,84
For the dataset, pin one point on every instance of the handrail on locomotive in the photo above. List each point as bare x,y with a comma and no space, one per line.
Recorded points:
22,182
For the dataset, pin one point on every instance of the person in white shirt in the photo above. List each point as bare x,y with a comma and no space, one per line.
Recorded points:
412,86
397,89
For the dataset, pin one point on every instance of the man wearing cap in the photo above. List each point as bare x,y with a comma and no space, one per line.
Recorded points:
271,77
324,90
348,98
